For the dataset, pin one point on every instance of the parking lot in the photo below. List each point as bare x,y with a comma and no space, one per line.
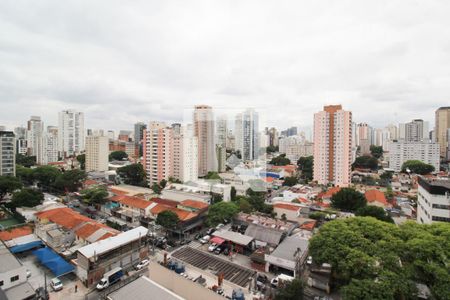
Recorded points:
205,261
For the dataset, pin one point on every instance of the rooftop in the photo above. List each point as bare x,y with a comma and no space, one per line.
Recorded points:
114,242
141,288
8,261
131,201
376,196
329,193
234,237
194,204
16,232
287,206
288,247
183,215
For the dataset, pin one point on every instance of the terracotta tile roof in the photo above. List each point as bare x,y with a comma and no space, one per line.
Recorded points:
376,196
131,201
329,193
117,191
287,206
183,215
89,182
322,204
308,225
194,204
86,230
269,179
165,202
7,235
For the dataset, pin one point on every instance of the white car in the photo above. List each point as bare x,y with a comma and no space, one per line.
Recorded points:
309,260
142,264
218,227
56,284
28,273
205,239
212,247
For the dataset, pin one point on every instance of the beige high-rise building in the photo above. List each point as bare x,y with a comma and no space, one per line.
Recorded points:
442,124
204,131
333,146
97,152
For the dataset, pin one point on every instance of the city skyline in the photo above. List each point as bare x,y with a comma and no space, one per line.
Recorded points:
137,62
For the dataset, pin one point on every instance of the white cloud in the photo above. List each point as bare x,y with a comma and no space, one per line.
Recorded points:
122,62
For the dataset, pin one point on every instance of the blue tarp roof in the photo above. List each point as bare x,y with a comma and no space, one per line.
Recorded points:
25,247
53,261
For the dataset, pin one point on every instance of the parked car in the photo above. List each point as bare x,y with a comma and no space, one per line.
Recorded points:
219,249
212,247
210,231
205,239
28,273
218,227
142,264
56,284
309,260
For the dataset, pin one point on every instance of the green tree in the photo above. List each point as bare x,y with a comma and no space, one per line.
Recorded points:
212,176
174,180
133,174
82,161
167,219
24,174
219,212
244,205
8,184
95,195
27,197
26,161
372,259
70,181
271,149
156,188
46,176
118,155
376,151
374,211
233,193
417,167
215,198
305,165
290,181
366,162
280,160
348,199
163,183
291,291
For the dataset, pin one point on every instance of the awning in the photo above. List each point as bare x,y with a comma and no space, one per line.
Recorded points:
53,261
217,240
25,247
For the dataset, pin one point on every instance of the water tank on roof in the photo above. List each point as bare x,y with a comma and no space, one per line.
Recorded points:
238,295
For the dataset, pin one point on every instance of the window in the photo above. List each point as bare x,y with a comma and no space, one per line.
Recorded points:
1,282
14,278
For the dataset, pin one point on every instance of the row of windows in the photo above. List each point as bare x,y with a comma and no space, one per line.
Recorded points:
12,279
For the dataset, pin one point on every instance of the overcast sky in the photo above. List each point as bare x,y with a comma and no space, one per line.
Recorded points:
126,61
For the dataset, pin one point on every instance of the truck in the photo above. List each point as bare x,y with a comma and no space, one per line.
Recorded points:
109,278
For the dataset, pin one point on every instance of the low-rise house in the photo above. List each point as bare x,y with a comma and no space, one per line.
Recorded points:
122,250
290,211
64,229
130,209
376,198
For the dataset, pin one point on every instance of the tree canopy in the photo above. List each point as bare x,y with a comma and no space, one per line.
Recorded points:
417,167
69,181
291,291
376,151
24,160
212,175
133,174
220,212
117,155
280,160
46,176
372,259
95,195
290,181
348,199
271,149
305,165
24,174
9,184
374,211
82,160
27,197
167,219
366,162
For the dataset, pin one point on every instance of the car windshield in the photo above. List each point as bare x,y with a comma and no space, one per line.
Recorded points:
103,282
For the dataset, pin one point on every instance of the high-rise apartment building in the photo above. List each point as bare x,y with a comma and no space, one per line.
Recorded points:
139,128
21,140
442,118
333,146
433,200
7,153
273,136
158,152
246,133
97,152
185,154
35,139
416,131
51,146
204,131
295,147
364,138
71,133
401,151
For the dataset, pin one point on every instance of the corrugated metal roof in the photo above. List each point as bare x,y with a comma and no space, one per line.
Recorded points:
234,237
264,234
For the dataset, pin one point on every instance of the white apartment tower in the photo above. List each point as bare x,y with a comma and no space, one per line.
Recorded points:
71,132
35,139
97,151
333,146
402,151
51,147
185,154
204,130
246,133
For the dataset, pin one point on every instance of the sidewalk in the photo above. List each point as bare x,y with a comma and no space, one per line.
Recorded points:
68,291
